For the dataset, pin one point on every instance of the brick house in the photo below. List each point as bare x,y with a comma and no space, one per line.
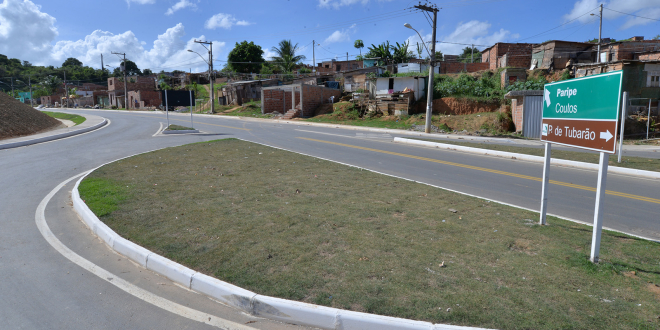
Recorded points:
558,54
500,55
641,79
627,50
296,100
337,66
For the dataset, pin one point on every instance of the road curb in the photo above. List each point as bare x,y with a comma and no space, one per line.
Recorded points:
53,137
536,159
288,311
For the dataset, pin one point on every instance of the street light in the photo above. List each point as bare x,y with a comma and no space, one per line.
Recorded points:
210,64
429,96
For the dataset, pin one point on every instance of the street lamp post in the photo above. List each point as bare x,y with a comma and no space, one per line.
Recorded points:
429,96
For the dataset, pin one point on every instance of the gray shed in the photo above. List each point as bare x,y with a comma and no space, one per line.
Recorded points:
527,111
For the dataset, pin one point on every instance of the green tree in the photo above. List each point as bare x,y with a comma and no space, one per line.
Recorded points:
246,57
467,55
131,69
286,58
359,44
72,61
50,84
382,52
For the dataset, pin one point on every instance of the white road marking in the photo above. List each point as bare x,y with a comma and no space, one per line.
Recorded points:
159,129
138,292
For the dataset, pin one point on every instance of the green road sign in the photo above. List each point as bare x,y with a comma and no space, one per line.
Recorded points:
583,112
592,97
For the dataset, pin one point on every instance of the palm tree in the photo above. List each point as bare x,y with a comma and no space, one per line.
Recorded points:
359,44
286,57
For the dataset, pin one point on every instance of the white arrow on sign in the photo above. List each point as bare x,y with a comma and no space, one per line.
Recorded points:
606,135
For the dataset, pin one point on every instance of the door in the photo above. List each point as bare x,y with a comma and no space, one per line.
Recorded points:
532,114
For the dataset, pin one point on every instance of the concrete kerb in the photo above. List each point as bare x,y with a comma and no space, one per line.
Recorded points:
537,159
52,137
268,307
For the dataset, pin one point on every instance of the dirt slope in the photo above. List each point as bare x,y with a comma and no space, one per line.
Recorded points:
18,119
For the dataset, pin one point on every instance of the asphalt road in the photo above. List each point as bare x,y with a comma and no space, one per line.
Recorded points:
42,289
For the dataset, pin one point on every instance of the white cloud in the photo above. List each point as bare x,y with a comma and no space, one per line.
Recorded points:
340,36
465,34
336,4
645,8
180,5
25,31
225,21
140,2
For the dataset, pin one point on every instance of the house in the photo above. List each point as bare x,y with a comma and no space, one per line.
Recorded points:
526,111
338,66
628,49
382,87
296,100
641,79
135,83
416,67
558,55
502,55
244,91
358,79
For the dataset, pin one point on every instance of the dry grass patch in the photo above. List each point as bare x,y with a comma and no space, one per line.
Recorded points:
296,227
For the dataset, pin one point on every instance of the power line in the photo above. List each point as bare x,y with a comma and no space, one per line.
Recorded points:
558,26
620,12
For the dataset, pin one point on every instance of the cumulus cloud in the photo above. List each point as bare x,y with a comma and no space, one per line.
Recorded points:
180,5
646,8
336,4
22,23
472,32
225,21
340,36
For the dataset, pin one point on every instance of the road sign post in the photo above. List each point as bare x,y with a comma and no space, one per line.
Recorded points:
582,113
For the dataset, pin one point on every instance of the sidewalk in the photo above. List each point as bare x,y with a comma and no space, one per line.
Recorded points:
91,123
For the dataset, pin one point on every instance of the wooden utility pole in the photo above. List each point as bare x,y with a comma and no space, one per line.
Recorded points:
429,97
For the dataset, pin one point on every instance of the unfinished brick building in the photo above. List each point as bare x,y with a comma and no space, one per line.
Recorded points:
627,50
501,55
306,99
558,55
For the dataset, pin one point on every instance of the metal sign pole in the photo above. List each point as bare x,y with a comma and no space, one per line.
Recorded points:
598,212
546,182
191,119
167,114
623,123
648,120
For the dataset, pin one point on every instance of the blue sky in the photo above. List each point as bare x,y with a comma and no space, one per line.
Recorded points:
156,33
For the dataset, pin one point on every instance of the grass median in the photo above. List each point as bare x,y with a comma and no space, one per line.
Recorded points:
296,227
59,115
638,163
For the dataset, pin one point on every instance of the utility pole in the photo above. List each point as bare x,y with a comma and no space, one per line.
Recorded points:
429,97
66,90
30,83
600,30
210,49
125,81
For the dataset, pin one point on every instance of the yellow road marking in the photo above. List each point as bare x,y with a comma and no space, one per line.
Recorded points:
483,169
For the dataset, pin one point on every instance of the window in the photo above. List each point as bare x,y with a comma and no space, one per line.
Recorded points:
653,79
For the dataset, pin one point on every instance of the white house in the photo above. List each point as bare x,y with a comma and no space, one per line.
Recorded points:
384,86
416,67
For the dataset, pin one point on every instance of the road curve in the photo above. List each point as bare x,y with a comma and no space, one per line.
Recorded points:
43,289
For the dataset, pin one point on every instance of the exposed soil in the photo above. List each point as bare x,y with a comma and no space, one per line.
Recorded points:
18,119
